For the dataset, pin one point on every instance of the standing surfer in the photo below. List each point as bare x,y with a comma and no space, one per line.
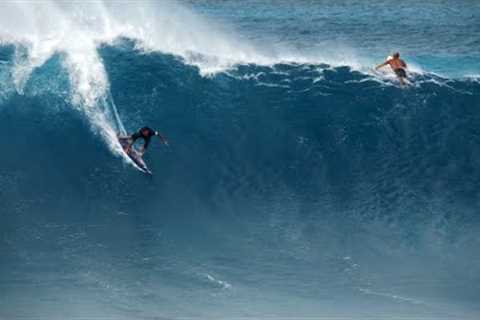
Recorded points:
398,66
146,134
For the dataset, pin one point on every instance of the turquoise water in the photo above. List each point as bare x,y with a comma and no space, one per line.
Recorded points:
437,36
298,183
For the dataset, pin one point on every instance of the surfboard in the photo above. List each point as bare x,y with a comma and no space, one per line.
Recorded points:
134,155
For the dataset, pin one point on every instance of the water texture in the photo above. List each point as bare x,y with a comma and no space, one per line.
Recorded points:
299,183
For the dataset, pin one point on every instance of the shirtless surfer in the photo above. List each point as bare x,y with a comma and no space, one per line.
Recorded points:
398,66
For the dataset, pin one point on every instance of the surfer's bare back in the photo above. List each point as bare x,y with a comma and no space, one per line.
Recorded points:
398,66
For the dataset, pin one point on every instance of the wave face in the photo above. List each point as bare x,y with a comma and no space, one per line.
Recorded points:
289,190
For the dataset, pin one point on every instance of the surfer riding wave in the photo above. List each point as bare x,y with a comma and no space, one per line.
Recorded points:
144,133
398,66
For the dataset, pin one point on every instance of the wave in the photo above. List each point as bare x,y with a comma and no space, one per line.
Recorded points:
310,183
75,31
309,130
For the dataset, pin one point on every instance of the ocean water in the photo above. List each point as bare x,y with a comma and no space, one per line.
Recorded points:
298,184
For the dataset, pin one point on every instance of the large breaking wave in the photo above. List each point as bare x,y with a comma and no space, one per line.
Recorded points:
291,188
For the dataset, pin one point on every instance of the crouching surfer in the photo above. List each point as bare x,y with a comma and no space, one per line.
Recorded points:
398,66
144,133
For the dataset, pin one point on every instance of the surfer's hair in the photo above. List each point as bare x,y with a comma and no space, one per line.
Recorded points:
396,55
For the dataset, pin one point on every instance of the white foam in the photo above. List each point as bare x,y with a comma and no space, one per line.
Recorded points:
473,77
220,283
391,296
75,29
42,29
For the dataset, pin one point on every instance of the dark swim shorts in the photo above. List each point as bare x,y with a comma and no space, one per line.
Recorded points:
400,73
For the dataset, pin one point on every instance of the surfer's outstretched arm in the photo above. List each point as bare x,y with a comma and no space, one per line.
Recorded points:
381,65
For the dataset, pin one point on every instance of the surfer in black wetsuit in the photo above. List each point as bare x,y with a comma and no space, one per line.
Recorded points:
146,134
398,66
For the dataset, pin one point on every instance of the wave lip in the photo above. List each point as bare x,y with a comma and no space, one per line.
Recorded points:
292,188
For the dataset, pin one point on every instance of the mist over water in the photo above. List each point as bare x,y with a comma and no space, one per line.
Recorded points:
298,183
435,36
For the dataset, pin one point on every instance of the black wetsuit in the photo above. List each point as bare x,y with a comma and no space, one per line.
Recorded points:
141,135
400,72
